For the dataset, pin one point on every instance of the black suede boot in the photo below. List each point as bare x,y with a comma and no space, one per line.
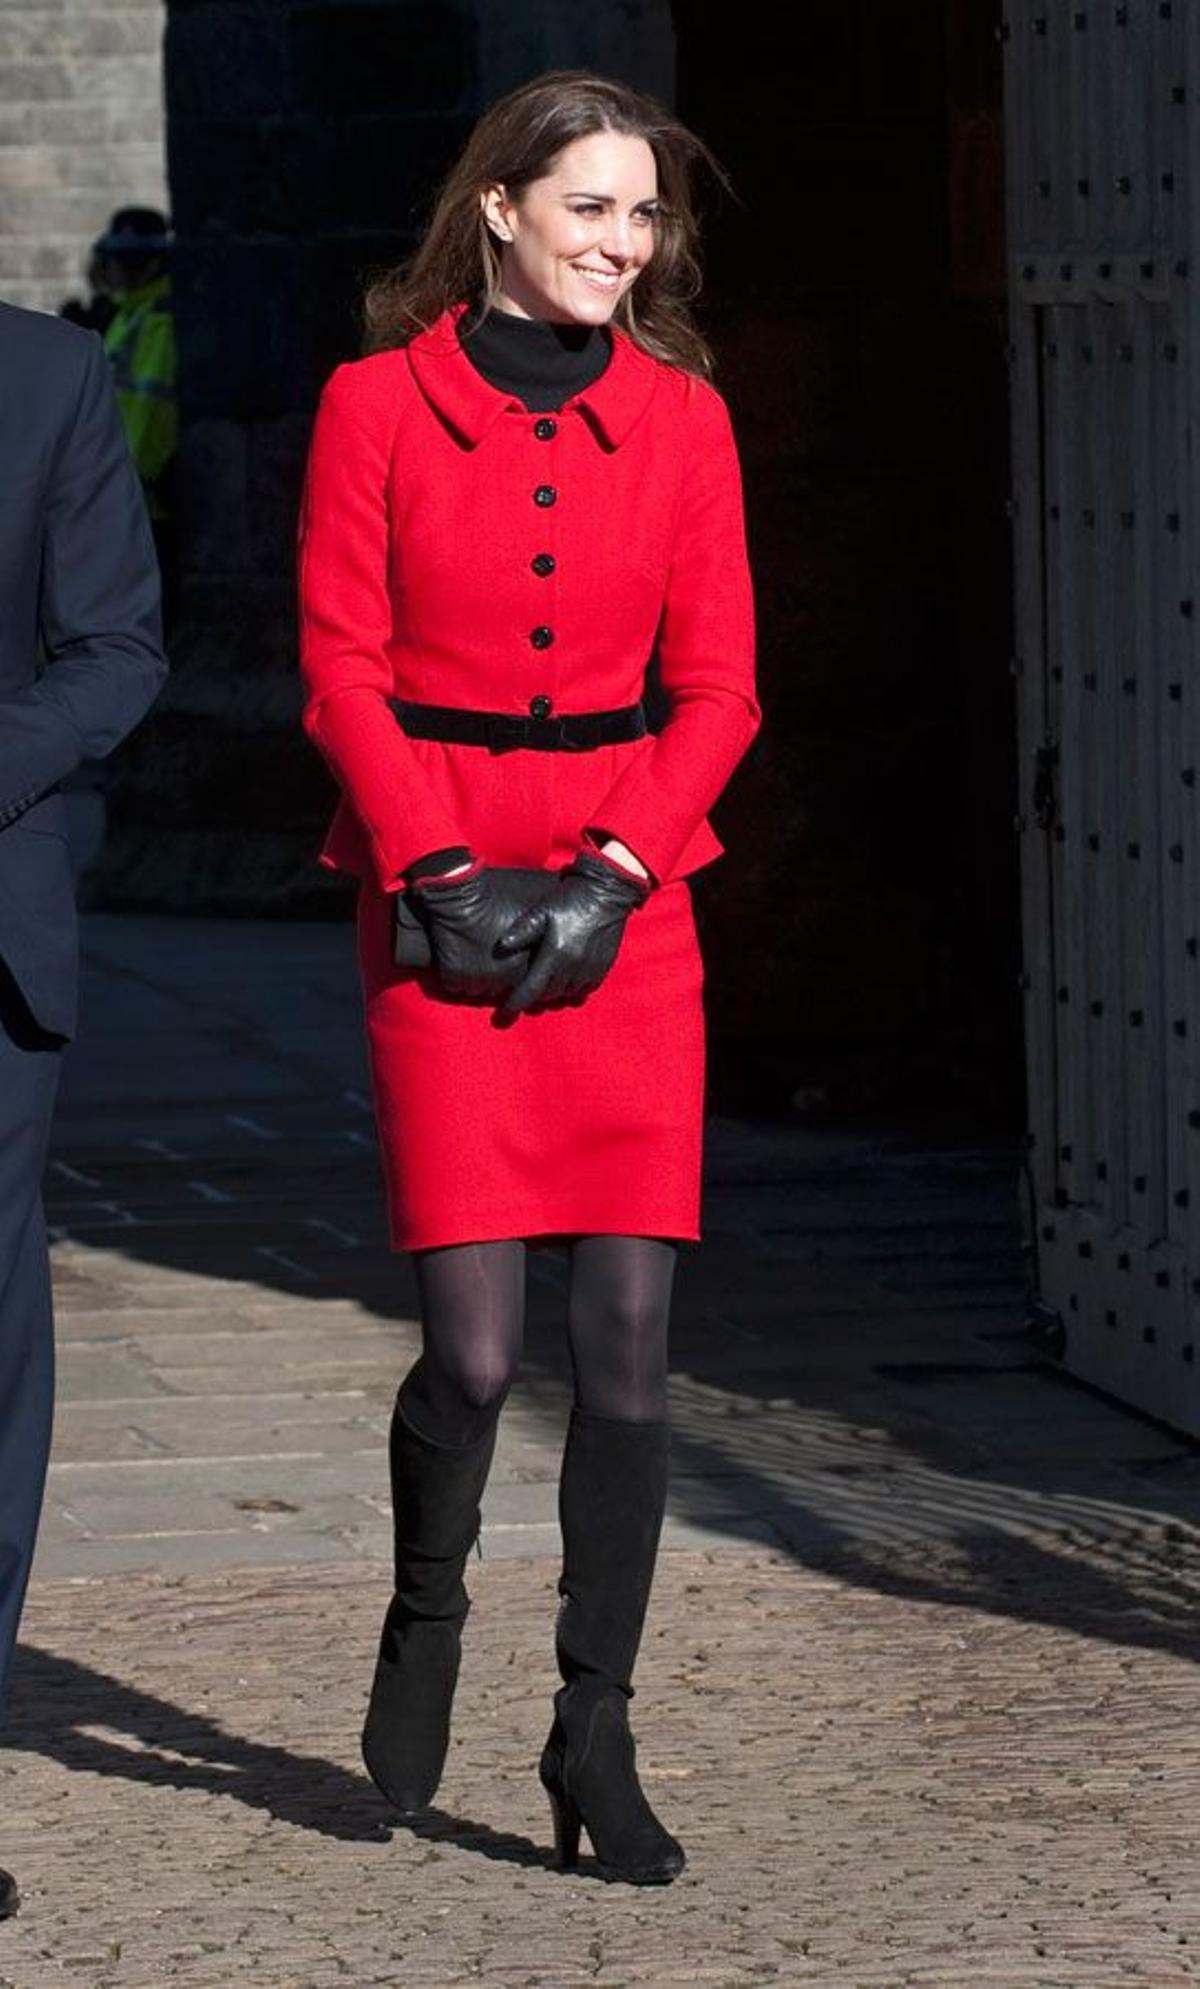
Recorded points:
611,1500
436,1489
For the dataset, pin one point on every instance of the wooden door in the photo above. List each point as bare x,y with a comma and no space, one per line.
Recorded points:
1103,275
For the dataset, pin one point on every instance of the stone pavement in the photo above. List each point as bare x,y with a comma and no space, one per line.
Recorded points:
920,1687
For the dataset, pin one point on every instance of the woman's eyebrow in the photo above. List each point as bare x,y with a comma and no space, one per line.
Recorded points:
609,200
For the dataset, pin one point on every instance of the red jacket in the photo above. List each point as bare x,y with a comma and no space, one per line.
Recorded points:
429,496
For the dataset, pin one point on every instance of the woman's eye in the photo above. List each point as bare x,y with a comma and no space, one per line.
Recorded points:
588,207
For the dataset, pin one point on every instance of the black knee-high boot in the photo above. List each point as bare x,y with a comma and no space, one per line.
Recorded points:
436,1490
611,1500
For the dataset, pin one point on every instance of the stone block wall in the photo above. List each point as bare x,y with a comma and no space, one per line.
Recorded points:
81,132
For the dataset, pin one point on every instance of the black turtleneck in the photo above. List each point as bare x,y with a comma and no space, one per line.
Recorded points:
543,364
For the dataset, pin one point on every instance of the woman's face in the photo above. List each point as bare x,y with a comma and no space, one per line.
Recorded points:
573,242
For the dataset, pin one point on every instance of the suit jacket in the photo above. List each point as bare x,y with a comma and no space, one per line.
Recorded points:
78,576
458,550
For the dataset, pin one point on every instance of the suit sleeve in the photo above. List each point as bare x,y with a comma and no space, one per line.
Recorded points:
345,630
100,618
706,658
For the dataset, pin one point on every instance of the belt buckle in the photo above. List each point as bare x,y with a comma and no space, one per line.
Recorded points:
506,731
546,735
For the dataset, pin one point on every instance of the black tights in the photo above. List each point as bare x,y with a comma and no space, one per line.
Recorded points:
472,1322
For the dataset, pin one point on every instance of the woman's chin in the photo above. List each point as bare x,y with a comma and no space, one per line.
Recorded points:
592,310
578,303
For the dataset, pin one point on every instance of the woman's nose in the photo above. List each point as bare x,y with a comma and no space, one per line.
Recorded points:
618,240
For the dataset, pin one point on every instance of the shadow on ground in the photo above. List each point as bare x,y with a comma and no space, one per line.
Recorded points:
852,1379
89,1721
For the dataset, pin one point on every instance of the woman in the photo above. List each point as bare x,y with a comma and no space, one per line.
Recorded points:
525,485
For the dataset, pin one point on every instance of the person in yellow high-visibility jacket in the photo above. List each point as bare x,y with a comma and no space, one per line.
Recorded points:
140,343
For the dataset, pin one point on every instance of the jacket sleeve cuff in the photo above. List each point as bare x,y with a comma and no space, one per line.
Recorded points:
439,863
400,816
655,843
593,838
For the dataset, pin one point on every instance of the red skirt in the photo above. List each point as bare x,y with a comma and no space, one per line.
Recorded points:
581,1120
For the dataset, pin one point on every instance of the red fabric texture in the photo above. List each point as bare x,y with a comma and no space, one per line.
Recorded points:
583,1120
419,526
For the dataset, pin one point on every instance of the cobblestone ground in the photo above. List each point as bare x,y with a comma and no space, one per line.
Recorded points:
920,1686
874,1790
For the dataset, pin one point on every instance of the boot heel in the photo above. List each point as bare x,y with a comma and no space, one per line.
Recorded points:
567,1824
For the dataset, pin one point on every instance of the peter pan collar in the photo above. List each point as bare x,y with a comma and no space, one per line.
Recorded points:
461,397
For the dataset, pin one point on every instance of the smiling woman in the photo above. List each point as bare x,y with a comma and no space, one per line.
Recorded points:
525,487
596,157
569,255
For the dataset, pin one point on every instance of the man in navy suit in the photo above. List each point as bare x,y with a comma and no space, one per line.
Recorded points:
79,585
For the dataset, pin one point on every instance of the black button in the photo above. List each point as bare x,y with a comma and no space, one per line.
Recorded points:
545,429
540,707
545,494
541,637
543,565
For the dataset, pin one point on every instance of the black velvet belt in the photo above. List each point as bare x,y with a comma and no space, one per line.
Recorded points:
507,731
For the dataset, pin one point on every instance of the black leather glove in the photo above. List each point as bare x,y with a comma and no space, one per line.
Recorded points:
465,918
575,932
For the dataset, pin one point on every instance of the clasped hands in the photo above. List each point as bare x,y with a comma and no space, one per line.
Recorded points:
487,947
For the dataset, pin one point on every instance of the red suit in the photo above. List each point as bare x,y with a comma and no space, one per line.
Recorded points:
459,550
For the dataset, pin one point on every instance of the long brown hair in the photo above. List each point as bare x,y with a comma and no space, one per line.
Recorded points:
517,141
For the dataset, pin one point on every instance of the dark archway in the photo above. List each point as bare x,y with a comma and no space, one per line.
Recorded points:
856,302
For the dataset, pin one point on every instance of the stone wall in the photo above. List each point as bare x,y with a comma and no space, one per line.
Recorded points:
81,132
